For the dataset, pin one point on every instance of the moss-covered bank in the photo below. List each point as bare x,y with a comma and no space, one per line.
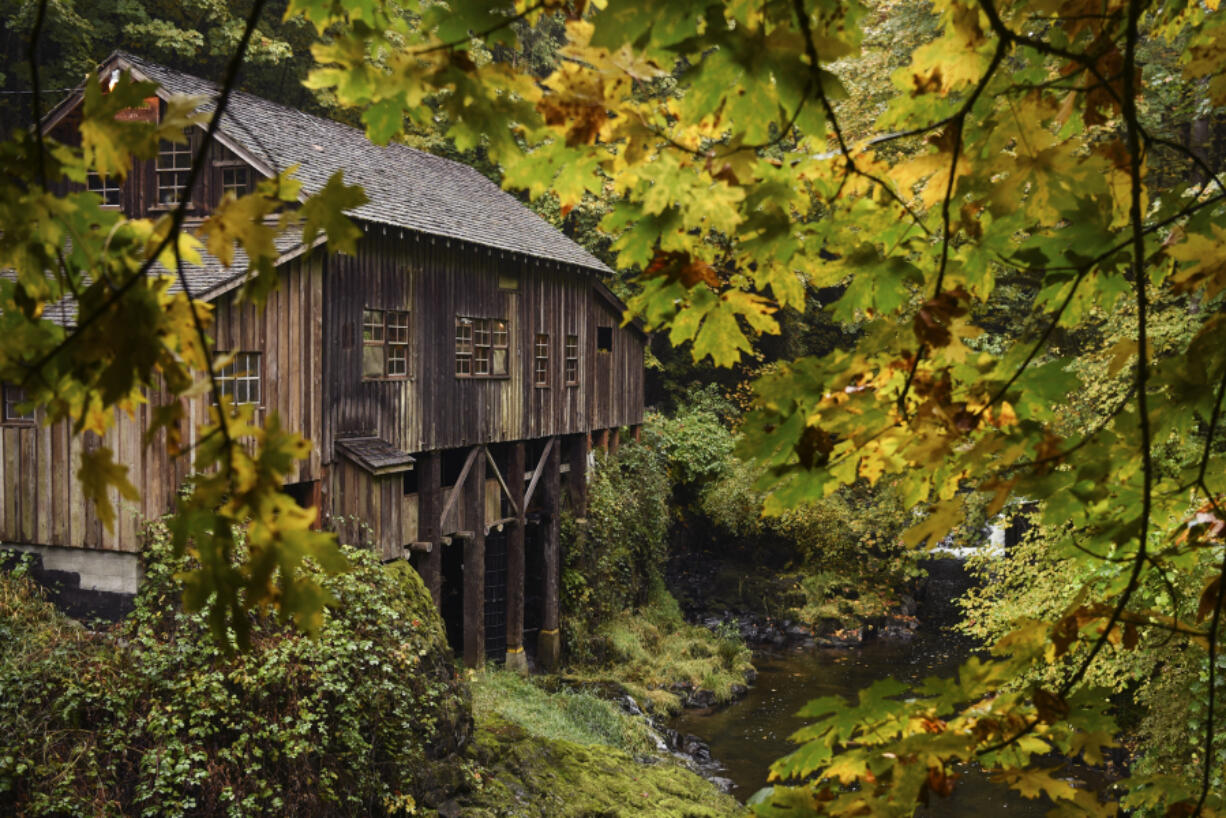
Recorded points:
570,753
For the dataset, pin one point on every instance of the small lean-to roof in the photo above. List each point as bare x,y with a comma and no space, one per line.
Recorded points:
406,187
375,455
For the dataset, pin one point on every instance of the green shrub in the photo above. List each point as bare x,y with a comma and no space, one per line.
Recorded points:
652,649
611,561
154,718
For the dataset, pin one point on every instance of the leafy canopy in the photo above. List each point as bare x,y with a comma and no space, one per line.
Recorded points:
1013,146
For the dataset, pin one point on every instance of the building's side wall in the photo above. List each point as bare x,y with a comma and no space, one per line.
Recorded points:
288,333
432,409
40,498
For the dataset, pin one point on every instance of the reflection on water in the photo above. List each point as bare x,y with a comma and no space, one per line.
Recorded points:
748,735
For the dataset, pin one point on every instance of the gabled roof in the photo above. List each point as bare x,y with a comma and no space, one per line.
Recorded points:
407,188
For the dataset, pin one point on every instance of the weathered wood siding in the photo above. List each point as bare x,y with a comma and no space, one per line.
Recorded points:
40,499
437,280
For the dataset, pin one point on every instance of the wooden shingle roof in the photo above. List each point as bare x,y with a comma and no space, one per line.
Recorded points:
406,187
375,455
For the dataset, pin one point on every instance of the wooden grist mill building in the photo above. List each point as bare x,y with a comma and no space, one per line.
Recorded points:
452,376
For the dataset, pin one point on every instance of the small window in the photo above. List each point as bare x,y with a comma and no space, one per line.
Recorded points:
481,347
604,339
239,380
540,360
508,281
235,175
385,343
106,188
174,163
500,344
234,180
572,360
14,396
463,347
373,352
397,344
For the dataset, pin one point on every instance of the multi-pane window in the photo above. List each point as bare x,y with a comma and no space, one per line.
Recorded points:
540,360
239,380
106,188
235,175
397,343
14,396
174,163
572,360
481,346
385,343
463,347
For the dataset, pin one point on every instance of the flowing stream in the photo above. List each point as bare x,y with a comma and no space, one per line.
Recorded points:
749,734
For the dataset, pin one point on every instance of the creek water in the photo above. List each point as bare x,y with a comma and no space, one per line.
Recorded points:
749,734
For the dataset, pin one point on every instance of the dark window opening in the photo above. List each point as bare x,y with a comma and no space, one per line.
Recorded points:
107,188
604,339
410,482
14,396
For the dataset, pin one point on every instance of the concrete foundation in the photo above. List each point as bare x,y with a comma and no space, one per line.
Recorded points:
517,660
112,572
549,649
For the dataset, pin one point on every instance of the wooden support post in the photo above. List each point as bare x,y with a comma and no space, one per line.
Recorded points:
429,508
516,658
615,440
549,643
474,566
637,431
602,440
577,479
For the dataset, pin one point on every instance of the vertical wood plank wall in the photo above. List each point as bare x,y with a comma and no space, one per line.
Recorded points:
310,339
40,499
436,280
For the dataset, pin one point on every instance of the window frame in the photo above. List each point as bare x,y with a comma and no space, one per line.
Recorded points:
229,376
604,334
104,186
175,150
391,334
570,365
227,161
478,342
10,396
540,360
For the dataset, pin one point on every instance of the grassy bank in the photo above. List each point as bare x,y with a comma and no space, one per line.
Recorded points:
569,753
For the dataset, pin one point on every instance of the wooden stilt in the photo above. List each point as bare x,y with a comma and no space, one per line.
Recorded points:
549,644
577,479
615,441
602,440
637,431
474,565
429,507
516,660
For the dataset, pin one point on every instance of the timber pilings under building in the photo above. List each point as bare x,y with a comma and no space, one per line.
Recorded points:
452,376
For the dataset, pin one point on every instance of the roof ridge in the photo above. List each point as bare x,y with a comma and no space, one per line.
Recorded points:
405,186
